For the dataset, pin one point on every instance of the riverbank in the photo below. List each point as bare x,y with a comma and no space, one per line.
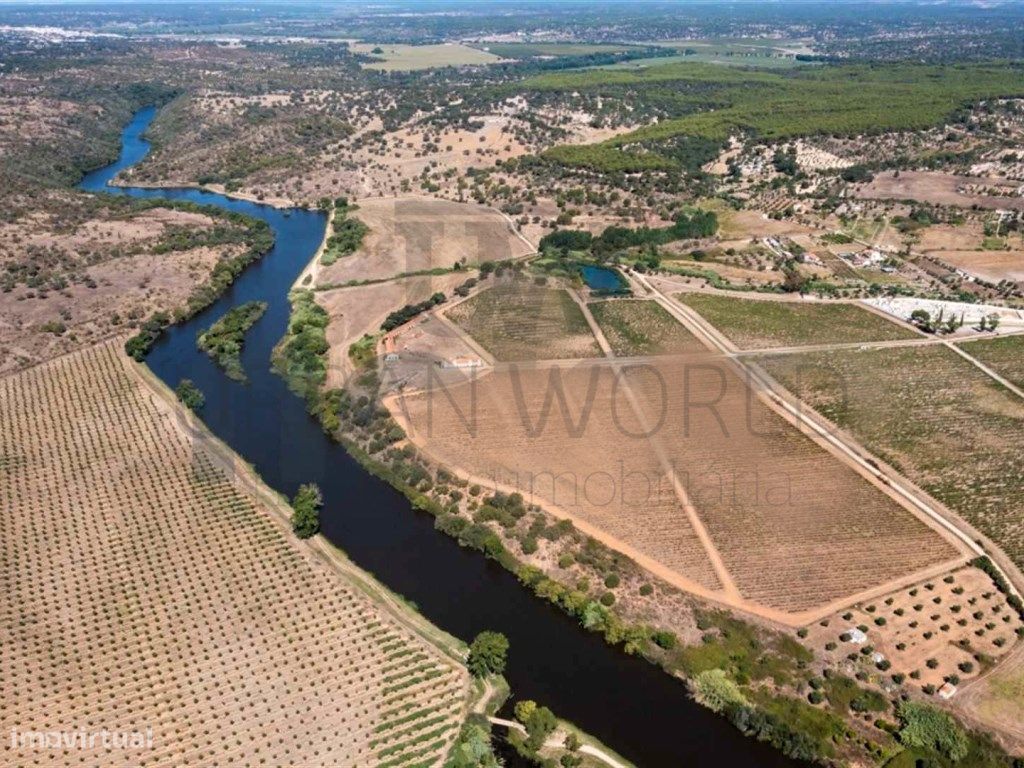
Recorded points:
281,203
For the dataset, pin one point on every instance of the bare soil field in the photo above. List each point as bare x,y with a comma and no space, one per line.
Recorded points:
747,511
943,189
964,247
931,415
993,266
412,234
635,328
145,588
517,320
361,309
70,283
957,624
761,324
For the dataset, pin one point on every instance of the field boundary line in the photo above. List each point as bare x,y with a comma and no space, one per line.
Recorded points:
838,346
986,370
729,587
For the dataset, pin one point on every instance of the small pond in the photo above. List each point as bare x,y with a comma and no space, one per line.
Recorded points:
603,279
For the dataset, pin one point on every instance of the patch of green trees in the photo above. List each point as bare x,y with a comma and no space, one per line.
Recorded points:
306,511
190,395
223,340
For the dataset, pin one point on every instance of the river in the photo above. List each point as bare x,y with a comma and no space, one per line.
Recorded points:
629,704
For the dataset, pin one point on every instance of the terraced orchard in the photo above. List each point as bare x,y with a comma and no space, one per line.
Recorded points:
636,328
934,417
761,324
144,591
521,321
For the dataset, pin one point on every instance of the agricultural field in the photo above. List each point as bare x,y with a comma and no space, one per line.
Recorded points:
186,606
934,417
389,57
413,234
517,321
761,324
530,50
635,328
1003,355
944,189
731,502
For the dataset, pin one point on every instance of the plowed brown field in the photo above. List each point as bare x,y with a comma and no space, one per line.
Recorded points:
729,498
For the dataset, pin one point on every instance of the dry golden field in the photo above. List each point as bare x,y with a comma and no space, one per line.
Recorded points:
146,591
730,501
521,321
411,234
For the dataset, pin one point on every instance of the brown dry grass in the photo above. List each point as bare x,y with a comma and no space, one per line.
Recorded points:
144,589
938,188
111,252
410,234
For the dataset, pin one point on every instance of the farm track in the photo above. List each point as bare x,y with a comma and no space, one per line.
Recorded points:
729,589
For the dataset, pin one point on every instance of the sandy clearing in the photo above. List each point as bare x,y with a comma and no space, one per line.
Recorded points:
993,266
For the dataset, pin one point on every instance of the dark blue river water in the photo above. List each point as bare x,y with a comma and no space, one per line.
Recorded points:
626,702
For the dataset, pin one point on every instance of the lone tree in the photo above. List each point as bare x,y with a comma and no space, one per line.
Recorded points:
306,511
487,654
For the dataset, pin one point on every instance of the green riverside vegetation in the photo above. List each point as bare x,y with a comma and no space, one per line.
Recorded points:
255,234
346,234
300,357
190,395
223,340
306,510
